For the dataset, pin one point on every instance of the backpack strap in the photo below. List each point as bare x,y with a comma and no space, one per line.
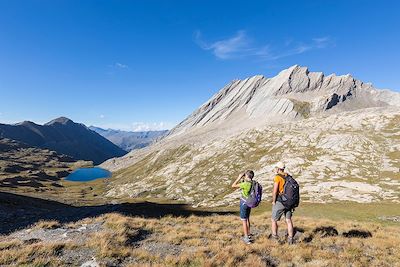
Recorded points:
283,176
279,197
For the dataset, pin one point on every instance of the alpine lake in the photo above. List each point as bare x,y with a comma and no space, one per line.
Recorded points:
88,174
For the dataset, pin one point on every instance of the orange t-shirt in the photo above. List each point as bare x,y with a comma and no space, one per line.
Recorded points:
281,183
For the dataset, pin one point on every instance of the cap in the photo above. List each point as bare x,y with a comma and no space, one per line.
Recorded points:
280,165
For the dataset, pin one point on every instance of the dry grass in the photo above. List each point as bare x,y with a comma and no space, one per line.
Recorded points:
47,224
215,241
115,241
18,253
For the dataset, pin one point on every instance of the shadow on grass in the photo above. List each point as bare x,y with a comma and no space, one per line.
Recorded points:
322,232
34,181
141,234
329,231
17,211
357,234
326,231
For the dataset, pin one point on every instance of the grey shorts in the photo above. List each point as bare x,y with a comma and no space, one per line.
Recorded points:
278,210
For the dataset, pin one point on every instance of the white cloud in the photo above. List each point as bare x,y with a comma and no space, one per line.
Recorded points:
138,126
300,48
102,116
119,65
322,42
242,46
152,126
237,46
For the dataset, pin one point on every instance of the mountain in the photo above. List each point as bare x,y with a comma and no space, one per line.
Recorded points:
340,138
129,140
295,93
65,137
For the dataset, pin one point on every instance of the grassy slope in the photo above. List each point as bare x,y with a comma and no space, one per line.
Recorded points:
197,240
211,241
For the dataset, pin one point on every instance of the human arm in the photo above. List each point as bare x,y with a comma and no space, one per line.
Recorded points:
275,193
236,183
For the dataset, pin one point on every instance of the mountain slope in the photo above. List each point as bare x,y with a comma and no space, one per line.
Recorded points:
65,137
293,93
24,168
129,140
339,137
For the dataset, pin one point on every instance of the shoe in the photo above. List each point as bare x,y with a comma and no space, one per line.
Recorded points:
273,237
290,240
246,240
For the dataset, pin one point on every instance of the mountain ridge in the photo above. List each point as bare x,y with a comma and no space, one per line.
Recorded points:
196,127
128,140
65,137
339,137
293,93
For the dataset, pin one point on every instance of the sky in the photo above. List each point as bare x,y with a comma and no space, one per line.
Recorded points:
146,65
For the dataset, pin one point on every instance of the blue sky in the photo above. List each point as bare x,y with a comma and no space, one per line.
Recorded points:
148,64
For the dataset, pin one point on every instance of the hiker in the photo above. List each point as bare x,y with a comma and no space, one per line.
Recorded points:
244,182
283,203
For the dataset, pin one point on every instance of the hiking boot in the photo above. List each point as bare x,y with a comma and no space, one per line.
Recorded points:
246,240
274,237
290,240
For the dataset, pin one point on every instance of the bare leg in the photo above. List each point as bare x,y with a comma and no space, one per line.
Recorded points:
274,227
245,228
289,227
248,226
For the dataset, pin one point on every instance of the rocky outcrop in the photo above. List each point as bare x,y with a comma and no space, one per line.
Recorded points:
349,156
264,100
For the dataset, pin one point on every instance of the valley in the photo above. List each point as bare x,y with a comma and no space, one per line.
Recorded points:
170,202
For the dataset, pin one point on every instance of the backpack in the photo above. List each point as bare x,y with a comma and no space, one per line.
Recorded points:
255,195
291,193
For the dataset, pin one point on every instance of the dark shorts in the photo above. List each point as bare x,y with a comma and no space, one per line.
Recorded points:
244,210
278,210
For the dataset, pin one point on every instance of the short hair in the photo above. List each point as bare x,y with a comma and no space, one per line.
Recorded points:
249,174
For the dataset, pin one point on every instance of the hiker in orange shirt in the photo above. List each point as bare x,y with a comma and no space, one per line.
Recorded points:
278,208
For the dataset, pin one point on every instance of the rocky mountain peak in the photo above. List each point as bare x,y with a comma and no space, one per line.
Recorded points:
294,93
26,123
60,120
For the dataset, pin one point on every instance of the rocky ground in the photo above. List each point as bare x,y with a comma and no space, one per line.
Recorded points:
351,156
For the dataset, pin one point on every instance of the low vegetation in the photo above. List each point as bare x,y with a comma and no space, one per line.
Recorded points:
209,241
26,169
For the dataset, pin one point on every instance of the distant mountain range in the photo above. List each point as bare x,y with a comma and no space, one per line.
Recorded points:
65,137
130,140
